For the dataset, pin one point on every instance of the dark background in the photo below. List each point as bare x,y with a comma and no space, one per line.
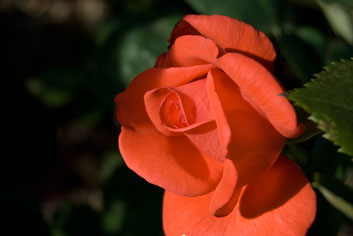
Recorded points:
63,61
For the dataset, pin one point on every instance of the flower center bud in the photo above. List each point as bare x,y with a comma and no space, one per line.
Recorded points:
172,112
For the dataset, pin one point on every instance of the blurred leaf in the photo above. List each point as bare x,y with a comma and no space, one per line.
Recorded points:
325,159
296,154
348,3
262,14
106,30
111,162
336,192
113,217
92,117
328,218
55,87
340,18
137,5
300,54
337,49
142,201
313,37
329,100
51,97
142,45
76,220
306,3
55,232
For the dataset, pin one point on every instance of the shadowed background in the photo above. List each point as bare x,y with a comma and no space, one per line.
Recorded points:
62,63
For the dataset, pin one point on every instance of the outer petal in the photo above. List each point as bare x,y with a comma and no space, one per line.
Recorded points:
226,194
281,202
263,89
190,216
163,61
230,35
250,140
191,50
172,163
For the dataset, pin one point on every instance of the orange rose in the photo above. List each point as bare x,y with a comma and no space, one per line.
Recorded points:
208,124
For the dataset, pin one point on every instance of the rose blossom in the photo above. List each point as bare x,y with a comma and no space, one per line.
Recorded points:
208,124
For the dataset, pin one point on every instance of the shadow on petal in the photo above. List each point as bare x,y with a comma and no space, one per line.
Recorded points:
172,163
283,182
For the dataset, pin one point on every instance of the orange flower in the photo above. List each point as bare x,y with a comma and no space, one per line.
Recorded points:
208,124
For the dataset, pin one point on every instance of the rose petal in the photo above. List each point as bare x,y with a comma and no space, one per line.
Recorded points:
198,125
226,194
190,216
252,142
230,35
262,88
196,102
281,202
223,128
172,163
153,100
184,170
191,50
130,107
163,61
205,138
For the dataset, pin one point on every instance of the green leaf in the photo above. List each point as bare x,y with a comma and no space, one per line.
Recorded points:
325,159
340,18
142,45
329,101
335,192
113,217
262,14
348,3
300,55
73,219
296,154
337,49
111,162
55,87
313,37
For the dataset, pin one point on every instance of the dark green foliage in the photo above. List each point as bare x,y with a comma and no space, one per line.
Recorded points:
329,100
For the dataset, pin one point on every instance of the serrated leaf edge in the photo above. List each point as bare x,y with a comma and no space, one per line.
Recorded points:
321,124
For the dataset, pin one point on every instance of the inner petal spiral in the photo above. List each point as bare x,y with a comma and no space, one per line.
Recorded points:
186,110
172,111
